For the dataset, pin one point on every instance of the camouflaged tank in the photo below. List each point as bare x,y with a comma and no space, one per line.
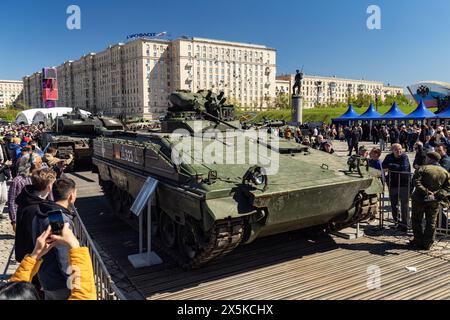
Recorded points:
205,209
72,134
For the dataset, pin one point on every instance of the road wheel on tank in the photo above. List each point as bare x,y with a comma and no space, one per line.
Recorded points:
316,231
116,199
127,203
156,221
155,228
167,231
106,186
189,239
108,189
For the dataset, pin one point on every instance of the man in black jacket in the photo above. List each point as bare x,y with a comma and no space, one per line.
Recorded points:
421,155
394,135
355,137
403,138
399,183
348,137
445,159
28,203
375,135
55,271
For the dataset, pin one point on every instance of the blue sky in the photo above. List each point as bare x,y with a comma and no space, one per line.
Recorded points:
327,37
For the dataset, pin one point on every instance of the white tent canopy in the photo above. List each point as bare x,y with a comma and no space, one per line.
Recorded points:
36,116
26,117
41,115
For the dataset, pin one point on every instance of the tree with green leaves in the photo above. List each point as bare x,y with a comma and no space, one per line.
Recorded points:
399,99
268,101
363,100
233,101
281,101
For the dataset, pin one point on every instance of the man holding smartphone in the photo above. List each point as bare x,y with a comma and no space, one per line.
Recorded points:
53,274
28,202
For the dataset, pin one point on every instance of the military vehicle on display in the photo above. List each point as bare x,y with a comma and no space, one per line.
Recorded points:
73,133
203,210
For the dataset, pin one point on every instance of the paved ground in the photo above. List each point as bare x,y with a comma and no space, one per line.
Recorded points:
91,200
88,189
7,262
289,266
342,149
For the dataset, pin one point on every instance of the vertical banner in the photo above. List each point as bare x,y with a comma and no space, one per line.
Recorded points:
49,87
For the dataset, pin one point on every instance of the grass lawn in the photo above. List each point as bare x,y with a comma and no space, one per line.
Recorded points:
322,114
9,114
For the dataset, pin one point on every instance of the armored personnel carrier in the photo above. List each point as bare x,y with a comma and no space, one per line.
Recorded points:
72,134
206,207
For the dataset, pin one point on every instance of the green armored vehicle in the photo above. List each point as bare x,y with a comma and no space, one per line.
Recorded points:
221,186
72,135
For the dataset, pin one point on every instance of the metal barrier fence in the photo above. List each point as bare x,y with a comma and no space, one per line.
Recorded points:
398,189
106,288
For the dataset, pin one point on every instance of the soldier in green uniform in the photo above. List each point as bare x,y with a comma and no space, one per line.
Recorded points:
432,184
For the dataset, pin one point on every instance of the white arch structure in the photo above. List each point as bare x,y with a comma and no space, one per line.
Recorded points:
37,116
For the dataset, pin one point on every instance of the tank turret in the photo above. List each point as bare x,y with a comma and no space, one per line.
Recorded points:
77,122
72,135
215,191
204,106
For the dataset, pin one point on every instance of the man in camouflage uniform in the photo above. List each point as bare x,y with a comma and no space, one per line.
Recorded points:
432,184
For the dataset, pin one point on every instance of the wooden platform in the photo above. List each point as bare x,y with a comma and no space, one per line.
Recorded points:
288,266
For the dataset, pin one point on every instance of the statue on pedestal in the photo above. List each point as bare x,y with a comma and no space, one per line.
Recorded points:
296,91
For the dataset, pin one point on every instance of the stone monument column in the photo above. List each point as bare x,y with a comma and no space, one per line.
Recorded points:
297,99
297,109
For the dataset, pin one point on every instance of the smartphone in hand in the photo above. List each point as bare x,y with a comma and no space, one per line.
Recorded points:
56,221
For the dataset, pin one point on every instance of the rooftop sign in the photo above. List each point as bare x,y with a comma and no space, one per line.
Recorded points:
148,35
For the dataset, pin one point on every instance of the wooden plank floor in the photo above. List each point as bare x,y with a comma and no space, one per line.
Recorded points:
290,266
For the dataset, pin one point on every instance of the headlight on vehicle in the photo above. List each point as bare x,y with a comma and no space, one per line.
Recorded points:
256,176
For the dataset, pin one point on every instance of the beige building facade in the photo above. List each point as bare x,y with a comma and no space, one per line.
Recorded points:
10,92
32,90
317,90
65,83
135,79
244,72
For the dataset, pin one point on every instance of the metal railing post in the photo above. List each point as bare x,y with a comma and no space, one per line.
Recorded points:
106,288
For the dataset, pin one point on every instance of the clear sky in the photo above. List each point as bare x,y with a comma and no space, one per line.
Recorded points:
327,37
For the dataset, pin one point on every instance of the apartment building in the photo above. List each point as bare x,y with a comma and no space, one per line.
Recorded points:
135,79
65,83
317,90
244,72
32,90
155,77
10,92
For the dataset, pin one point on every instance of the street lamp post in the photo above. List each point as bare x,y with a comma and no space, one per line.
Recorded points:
377,93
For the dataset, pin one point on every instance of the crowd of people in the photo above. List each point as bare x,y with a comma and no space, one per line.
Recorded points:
426,183
320,138
53,266
407,135
428,188
38,188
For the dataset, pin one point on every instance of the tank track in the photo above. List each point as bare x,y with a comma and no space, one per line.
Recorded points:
225,236
367,210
